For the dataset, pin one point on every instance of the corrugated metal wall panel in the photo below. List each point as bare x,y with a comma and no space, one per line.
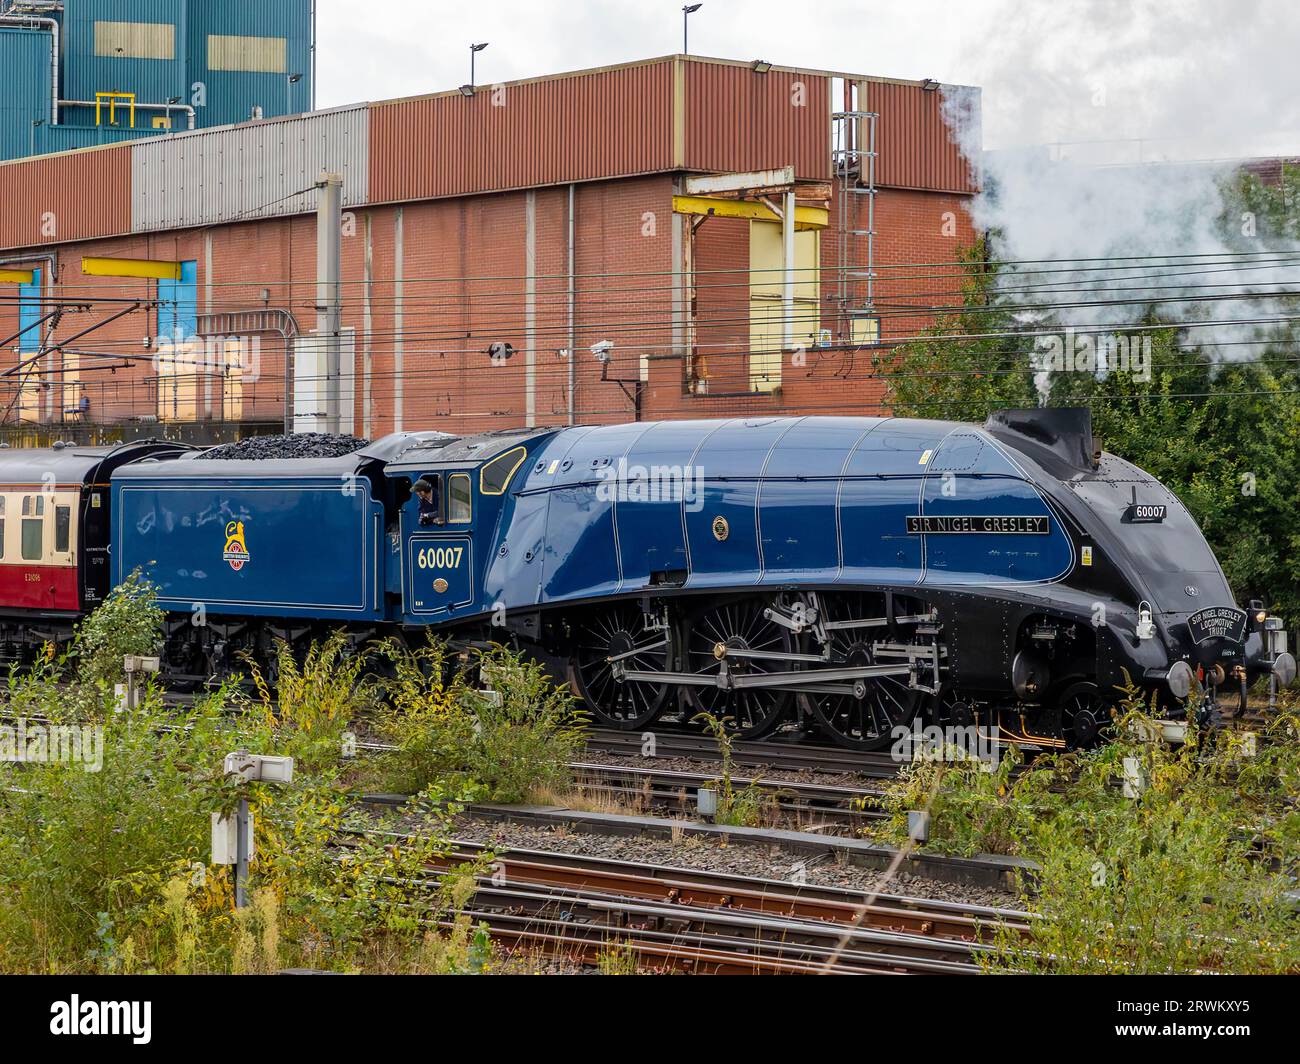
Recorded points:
738,120
585,126
253,171
607,123
134,40
253,55
126,24
82,194
915,147
232,93
25,60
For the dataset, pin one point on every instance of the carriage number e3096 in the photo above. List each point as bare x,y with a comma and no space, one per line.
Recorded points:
439,557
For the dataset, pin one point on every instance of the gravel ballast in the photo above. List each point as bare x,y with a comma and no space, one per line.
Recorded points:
710,855
713,767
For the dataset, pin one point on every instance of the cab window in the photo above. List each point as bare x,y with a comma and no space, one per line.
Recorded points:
428,507
494,477
459,504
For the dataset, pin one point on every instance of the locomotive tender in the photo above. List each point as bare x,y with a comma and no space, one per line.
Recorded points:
854,570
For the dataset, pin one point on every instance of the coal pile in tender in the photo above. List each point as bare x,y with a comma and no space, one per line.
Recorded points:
298,445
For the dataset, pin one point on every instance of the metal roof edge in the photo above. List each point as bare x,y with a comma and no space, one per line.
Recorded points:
181,134
123,145
677,57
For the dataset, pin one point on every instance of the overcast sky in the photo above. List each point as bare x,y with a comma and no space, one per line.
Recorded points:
1191,78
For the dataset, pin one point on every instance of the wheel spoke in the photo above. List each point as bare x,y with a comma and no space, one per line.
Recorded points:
886,702
626,704
737,625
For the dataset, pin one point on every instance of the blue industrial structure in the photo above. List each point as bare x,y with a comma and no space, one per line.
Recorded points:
124,69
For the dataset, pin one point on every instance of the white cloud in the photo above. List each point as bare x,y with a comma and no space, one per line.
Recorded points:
1191,79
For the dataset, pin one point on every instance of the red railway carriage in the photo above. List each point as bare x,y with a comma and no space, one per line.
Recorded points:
54,537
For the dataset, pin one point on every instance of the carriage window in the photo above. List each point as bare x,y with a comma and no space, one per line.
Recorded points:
459,506
2,525
494,478
62,528
33,505
33,538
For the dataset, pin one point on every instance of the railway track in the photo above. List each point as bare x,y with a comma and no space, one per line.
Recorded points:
778,752
794,803
678,919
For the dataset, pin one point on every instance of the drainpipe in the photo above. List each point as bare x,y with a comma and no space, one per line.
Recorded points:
787,273
313,55
23,260
166,108
33,22
45,259
573,338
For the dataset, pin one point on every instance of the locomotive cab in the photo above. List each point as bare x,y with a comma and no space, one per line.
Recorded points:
438,545
443,539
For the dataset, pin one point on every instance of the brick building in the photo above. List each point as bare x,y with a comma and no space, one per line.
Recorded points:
489,242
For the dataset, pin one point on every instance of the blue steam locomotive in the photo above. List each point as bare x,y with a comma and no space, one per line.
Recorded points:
852,571
855,571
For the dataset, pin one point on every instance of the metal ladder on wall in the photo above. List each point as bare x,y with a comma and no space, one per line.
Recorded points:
853,157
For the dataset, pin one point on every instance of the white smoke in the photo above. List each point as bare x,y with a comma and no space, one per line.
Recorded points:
1115,126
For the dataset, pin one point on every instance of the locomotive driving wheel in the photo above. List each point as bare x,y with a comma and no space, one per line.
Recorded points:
861,714
1084,715
614,633
731,633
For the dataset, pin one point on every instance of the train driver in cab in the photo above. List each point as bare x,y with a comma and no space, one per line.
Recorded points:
430,513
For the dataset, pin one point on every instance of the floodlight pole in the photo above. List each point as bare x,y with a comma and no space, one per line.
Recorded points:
329,300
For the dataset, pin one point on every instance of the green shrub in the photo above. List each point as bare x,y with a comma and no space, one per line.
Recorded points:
972,809
507,742
1174,880
1189,875
127,622
104,865
749,806
316,701
423,714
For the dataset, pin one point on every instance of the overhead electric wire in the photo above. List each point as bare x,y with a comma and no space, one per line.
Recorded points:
473,309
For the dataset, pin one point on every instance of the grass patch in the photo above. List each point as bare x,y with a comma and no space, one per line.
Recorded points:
1190,875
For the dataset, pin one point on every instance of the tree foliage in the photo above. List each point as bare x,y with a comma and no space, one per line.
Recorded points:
1221,429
